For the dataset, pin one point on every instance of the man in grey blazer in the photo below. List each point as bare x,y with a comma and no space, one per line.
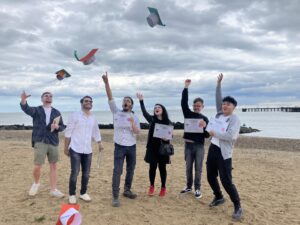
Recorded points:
219,158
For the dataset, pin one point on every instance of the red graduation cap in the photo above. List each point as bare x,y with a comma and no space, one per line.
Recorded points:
89,58
69,215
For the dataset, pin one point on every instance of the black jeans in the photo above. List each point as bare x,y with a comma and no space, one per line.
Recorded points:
76,159
217,165
122,152
162,170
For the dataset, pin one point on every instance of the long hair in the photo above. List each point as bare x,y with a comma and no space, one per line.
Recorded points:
165,116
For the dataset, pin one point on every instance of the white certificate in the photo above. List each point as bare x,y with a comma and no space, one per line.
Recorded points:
217,125
122,119
55,121
163,131
193,126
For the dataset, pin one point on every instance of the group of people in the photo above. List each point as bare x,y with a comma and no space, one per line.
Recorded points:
82,127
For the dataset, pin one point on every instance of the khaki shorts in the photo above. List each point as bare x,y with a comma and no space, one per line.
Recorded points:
41,150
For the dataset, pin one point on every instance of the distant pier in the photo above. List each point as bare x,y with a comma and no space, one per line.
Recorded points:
271,109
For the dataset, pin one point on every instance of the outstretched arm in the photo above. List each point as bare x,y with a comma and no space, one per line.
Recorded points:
147,116
107,86
25,107
219,93
185,97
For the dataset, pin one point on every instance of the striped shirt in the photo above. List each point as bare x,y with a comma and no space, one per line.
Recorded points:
123,135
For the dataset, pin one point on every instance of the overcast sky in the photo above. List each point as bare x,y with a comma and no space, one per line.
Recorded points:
255,44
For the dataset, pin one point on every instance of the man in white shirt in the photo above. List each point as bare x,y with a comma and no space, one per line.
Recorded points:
82,126
125,144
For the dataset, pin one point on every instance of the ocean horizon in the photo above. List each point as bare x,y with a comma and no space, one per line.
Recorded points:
270,124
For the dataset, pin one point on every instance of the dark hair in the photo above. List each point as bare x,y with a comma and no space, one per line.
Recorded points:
81,100
47,92
198,100
230,100
165,116
129,98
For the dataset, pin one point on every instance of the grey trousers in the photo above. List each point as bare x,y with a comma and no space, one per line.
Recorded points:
120,154
193,153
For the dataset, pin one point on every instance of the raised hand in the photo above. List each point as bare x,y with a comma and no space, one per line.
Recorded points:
24,97
220,78
187,83
140,96
105,78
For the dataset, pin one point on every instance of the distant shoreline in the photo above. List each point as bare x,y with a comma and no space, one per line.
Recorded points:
144,126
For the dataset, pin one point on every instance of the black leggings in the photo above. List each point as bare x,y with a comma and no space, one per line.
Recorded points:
162,170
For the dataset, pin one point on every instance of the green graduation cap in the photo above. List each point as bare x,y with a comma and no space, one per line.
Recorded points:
154,18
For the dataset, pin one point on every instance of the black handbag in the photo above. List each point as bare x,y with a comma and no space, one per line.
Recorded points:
166,149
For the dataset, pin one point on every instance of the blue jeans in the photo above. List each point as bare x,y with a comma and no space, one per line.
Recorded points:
120,153
193,152
76,159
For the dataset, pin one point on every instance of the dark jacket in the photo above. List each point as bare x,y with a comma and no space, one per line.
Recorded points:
189,114
41,132
153,144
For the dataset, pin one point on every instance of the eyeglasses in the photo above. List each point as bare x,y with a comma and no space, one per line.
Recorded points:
86,101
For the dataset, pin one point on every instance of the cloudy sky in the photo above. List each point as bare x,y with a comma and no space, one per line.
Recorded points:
255,44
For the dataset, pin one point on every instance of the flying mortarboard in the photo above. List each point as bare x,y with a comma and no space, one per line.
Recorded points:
89,58
154,18
61,74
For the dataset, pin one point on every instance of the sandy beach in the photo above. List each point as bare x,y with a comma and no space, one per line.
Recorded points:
266,173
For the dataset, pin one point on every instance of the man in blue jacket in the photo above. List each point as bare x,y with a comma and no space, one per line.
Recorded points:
47,122
219,158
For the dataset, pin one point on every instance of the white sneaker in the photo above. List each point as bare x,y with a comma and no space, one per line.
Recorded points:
34,189
57,193
85,197
72,199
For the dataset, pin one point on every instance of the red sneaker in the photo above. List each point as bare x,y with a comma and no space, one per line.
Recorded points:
163,192
151,191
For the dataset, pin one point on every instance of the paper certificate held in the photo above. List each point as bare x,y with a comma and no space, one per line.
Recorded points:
163,131
122,119
55,121
193,126
217,125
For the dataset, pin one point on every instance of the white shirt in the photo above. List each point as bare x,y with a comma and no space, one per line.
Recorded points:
214,140
48,113
124,136
81,128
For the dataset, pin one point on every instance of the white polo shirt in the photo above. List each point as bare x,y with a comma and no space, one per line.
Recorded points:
123,136
81,128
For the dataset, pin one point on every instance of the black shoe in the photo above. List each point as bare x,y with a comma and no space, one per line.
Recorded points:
216,202
115,202
186,190
238,213
129,194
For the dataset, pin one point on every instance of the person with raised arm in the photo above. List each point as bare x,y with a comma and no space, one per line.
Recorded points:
219,158
152,156
47,123
126,127
194,142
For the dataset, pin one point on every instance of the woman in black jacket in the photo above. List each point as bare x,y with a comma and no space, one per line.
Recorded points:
153,144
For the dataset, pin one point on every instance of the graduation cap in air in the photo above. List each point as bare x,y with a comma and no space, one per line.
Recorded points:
61,74
89,58
154,18
69,215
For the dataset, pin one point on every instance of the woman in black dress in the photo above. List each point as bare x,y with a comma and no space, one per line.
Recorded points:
153,144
